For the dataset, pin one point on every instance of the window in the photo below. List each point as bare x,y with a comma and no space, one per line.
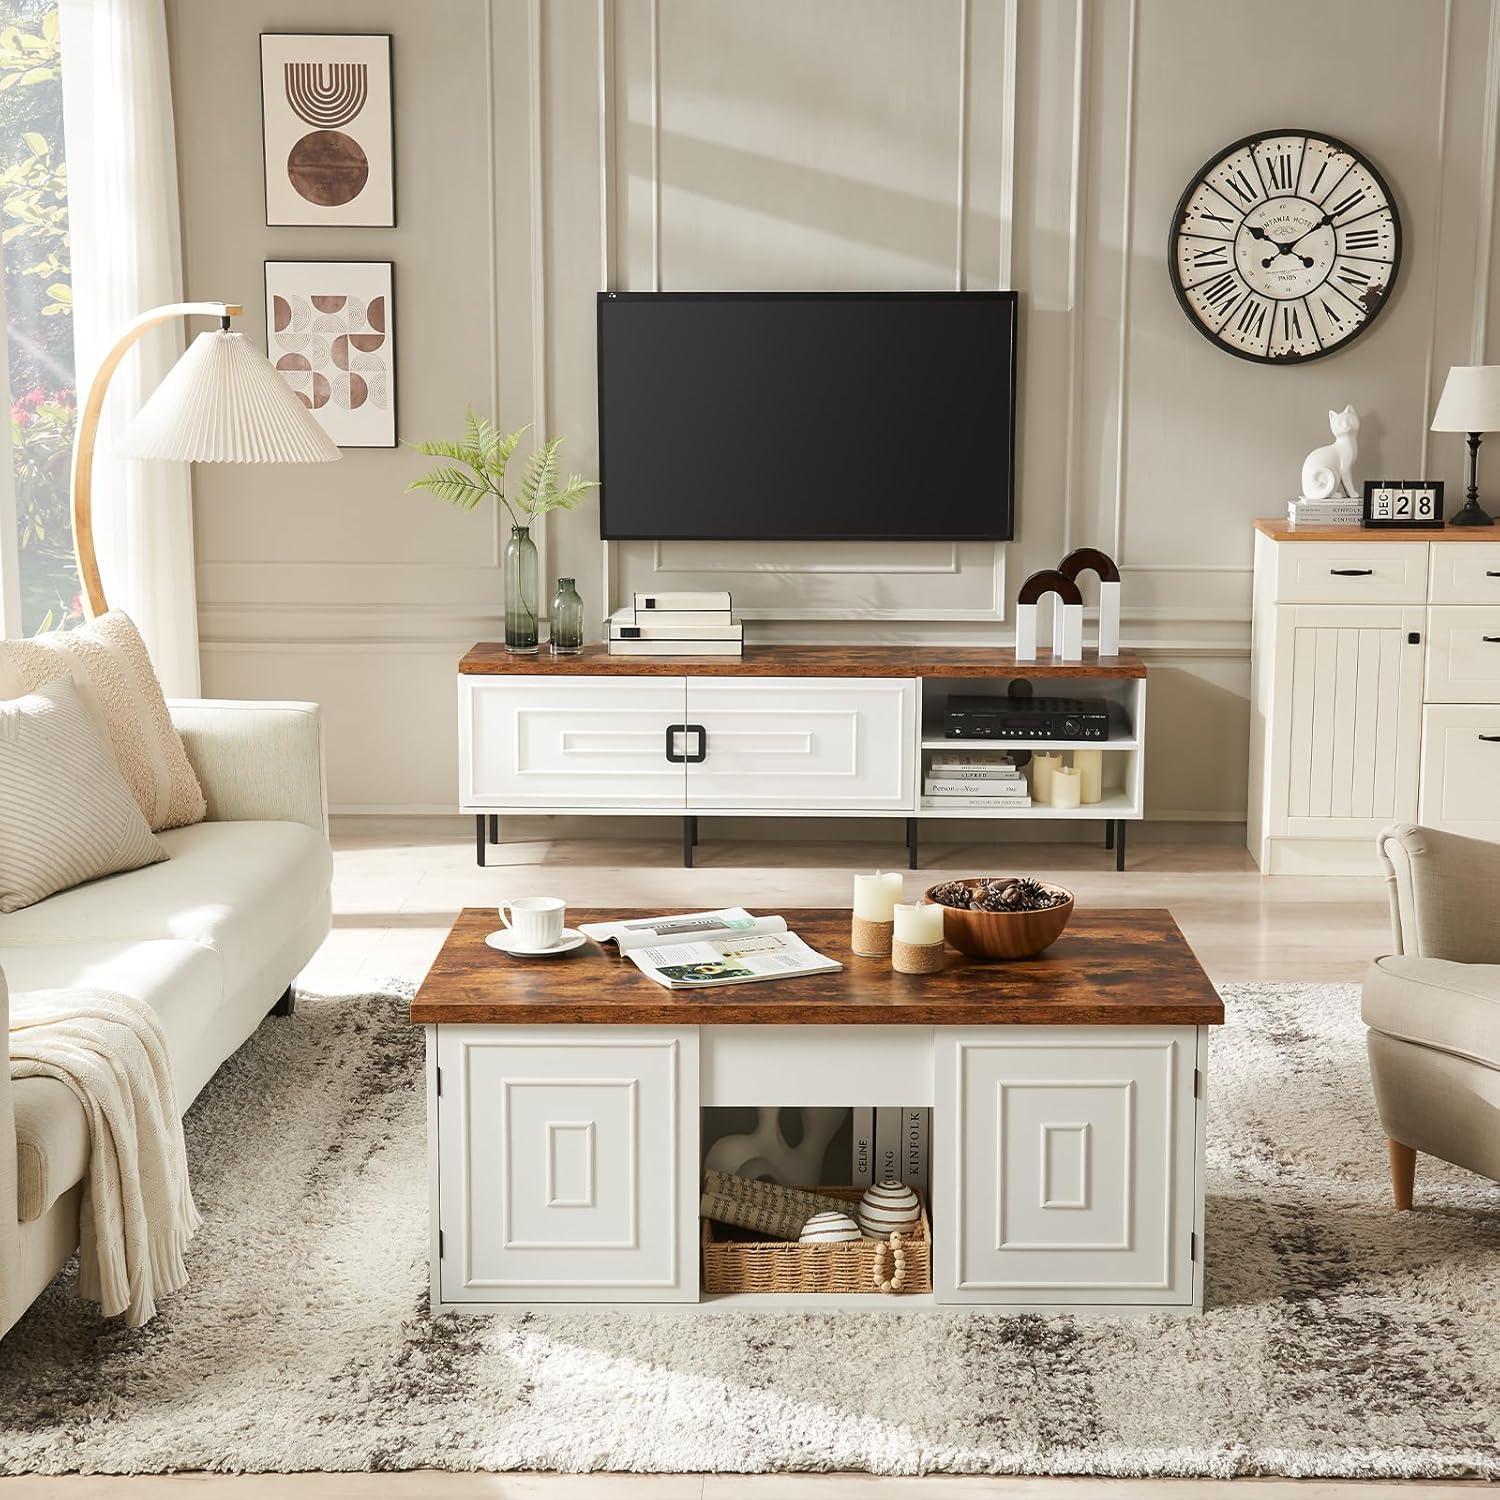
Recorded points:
39,312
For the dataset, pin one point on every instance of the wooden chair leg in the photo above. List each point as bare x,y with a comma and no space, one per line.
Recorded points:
1403,1174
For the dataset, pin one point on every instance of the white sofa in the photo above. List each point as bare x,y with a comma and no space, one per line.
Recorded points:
212,937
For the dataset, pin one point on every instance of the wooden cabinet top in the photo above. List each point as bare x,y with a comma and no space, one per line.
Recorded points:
1279,531
490,658
1118,967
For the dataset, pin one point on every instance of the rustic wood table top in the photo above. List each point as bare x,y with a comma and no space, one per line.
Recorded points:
1118,967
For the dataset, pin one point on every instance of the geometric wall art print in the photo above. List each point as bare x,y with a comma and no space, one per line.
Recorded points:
326,127
330,334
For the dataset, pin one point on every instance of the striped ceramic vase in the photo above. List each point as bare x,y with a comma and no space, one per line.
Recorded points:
887,1206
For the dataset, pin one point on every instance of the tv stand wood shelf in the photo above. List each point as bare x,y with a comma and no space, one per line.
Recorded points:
1068,1097
782,731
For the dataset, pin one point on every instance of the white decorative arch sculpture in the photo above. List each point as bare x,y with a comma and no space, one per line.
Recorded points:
1092,560
1067,632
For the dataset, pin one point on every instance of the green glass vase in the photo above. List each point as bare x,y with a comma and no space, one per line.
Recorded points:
521,583
567,619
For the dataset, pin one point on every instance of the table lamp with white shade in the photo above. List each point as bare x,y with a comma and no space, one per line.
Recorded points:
1470,403
222,402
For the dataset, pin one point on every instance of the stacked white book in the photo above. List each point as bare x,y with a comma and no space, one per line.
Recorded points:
698,623
1336,510
976,778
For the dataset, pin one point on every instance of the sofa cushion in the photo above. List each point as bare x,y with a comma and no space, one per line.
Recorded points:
237,887
1435,1002
183,984
107,661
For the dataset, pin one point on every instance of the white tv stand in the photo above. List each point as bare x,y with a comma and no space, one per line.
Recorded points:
783,731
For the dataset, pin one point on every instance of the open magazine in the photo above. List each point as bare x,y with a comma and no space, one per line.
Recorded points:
709,948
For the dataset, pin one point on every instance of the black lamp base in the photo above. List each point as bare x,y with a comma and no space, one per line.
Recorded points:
1471,514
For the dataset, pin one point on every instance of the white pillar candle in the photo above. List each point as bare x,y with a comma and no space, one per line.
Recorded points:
875,896
918,922
1089,763
1044,765
1067,785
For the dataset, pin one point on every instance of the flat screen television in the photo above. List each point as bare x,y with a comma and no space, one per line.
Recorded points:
807,416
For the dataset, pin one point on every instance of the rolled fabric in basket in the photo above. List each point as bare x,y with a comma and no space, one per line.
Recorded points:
766,1207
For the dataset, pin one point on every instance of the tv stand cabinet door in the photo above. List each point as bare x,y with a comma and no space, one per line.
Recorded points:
826,744
585,743
1069,1165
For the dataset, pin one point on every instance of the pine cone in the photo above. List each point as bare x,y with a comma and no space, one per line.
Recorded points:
952,893
1032,895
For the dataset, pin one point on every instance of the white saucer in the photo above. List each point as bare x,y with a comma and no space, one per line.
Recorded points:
504,941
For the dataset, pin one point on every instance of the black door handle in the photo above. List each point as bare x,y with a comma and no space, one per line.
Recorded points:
1492,738
1492,572
673,754
702,754
1352,572
1493,640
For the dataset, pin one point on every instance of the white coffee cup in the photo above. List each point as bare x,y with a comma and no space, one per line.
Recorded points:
537,921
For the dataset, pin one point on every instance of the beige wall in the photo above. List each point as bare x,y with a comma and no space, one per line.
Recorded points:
546,146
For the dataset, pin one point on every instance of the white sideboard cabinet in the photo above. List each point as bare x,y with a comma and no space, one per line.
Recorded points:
1375,691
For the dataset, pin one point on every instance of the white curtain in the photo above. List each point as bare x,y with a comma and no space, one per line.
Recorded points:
127,257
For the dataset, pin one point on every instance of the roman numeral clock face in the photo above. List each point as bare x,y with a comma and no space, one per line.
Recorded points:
1285,247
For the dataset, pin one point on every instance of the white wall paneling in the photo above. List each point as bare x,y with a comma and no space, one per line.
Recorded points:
546,149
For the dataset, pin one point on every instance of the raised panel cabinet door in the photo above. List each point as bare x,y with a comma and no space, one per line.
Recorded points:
570,742
824,743
1068,1165
568,1163
1347,740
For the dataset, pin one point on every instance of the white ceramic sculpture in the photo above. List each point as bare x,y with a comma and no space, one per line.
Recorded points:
1329,470
886,1206
765,1151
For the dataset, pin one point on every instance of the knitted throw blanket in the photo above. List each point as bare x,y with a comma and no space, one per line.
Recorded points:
137,1214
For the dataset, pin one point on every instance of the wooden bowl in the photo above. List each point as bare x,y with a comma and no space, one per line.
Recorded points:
1002,934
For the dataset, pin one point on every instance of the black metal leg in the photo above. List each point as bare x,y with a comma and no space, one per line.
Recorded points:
1120,843
479,838
693,824
687,843
494,828
911,843
286,1005
1109,833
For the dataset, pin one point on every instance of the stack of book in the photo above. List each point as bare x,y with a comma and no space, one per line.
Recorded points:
977,778
1336,510
679,624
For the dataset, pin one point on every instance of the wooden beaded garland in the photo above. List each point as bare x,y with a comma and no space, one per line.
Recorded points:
897,1279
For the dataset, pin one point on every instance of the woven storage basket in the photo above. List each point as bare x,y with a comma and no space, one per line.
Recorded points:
731,1265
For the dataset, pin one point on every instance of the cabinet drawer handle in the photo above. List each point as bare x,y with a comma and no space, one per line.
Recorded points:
1493,640
673,753
702,752
1491,738
1352,572
1492,572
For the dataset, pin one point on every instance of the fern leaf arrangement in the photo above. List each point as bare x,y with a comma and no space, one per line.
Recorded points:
477,467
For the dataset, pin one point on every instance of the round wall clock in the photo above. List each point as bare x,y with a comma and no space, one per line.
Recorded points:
1285,246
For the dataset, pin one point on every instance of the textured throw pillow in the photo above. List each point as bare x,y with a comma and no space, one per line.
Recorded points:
108,662
66,814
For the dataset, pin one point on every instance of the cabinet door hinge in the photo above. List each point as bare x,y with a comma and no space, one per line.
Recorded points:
1192,1244
440,1244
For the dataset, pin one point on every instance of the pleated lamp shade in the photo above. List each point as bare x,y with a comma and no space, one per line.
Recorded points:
222,402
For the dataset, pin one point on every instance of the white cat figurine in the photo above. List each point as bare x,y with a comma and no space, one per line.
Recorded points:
1330,470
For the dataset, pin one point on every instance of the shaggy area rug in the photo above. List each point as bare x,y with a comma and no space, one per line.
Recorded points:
1340,1338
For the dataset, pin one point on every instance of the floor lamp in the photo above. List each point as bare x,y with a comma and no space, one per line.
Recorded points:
222,402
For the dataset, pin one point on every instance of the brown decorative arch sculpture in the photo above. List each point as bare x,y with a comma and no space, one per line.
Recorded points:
1092,560
1067,633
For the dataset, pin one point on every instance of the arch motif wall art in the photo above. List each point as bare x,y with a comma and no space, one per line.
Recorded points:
330,334
326,124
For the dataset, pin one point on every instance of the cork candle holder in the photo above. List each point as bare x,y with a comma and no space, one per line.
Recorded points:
873,921
917,943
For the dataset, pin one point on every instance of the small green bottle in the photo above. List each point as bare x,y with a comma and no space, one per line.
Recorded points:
567,619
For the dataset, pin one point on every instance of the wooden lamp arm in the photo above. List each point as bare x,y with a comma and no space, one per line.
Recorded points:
91,587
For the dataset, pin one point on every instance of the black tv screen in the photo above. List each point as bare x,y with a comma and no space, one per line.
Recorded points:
817,416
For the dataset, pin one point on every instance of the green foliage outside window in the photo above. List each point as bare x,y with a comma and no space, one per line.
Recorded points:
39,308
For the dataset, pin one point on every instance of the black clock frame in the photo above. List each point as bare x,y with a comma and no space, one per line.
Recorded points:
1201,175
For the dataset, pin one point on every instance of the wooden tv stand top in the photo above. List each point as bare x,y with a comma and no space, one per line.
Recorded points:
490,658
1118,967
